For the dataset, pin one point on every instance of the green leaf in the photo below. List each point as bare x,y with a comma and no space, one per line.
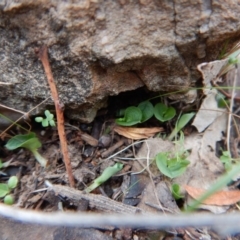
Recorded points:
106,174
181,123
45,123
227,160
52,123
20,141
147,110
222,102
9,200
171,167
4,189
233,60
161,161
12,182
164,113
48,115
177,166
38,119
176,191
132,116
29,141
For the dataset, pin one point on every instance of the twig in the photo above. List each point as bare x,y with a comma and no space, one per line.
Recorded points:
99,202
43,55
25,114
231,110
112,149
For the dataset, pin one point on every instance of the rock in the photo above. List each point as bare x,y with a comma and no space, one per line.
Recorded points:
99,48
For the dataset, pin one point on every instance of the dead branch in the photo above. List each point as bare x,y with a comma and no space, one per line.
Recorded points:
43,55
96,201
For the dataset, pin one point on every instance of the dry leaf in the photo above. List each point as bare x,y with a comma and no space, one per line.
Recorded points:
219,198
137,133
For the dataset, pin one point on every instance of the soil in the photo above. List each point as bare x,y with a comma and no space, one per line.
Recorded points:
88,145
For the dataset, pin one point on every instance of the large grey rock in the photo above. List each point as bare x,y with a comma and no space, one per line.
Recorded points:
100,48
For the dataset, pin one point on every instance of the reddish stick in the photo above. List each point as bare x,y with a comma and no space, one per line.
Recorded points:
43,55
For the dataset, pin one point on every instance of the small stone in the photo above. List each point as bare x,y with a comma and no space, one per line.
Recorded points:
105,141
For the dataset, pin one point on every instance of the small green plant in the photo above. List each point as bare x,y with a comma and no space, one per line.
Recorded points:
227,160
6,188
181,123
144,111
30,142
49,120
4,164
106,174
222,102
173,165
164,113
175,189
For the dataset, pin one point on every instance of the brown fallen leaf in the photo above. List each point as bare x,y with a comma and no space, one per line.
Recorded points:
137,133
219,198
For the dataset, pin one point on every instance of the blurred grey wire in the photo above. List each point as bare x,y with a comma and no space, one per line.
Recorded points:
224,224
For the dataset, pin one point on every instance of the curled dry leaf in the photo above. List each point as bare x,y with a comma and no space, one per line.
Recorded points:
219,198
137,133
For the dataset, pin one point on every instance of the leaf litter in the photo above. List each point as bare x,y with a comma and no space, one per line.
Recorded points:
140,183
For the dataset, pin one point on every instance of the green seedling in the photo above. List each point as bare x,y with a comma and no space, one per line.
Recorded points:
175,165
164,113
181,123
49,120
222,102
227,160
6,188
106,174
171,167
147,110
176,191
144,111
30,142
132,116
4,164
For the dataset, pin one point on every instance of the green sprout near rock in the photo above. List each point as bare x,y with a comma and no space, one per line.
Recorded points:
30,142
6,188
144,111
49,120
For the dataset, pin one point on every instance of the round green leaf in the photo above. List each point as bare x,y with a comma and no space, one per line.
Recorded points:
132,116
147,110
48,115
38,119
52,123
4,189
12,182
45,122
9,200
164,113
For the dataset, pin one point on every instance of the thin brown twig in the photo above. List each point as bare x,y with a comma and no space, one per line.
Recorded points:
43,55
